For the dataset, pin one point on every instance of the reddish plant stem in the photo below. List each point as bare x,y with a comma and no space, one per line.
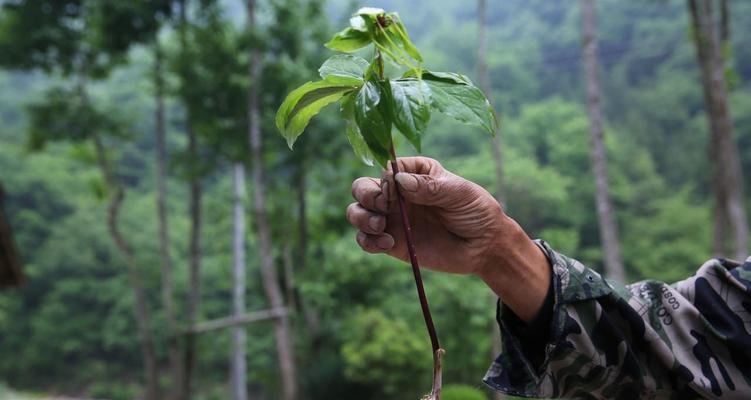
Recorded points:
413,260
435,393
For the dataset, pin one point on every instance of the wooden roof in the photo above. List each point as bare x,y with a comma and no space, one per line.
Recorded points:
10,262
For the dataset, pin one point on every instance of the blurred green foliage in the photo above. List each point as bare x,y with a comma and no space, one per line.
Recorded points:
462,392
71,328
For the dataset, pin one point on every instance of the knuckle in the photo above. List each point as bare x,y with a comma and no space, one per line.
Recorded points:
366,243
365,190
360,239
355,185
426,165
434,163
433,186
387,175
351,211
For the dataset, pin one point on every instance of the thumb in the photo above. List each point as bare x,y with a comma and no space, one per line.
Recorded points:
421,189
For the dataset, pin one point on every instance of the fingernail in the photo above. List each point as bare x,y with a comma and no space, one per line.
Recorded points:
407,182
385,242
375,223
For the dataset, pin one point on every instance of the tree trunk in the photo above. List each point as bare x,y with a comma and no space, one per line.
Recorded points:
726,168
724,24
285,350
605,214
143,317
194,253
238,367
484,80
194,247
720,222
312,321
289,275
175,359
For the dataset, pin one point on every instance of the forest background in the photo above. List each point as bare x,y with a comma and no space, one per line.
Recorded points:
125,147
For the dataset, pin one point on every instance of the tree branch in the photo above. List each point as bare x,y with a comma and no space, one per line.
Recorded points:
228,322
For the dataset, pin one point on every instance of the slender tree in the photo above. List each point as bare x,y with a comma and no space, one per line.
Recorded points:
289,274
727,177
194,204
68,115
160,133
206,62
297,23
312,320
295,239
605,213
143,315
285,350
194,254
238,367
484,83
724,24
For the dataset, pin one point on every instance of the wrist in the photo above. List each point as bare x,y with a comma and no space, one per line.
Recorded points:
501,252
517,270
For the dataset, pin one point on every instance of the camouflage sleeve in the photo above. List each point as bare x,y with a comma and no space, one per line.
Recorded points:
688,340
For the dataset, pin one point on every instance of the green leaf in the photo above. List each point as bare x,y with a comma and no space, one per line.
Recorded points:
456,96
410,108
409,47
349,40
344,65
306,101
360,147
447,77
389,35
373,122
353,132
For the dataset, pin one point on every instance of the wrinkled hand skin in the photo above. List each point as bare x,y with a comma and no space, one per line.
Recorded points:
454,221
457,227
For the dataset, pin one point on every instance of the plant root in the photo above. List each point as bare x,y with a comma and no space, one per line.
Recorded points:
435,393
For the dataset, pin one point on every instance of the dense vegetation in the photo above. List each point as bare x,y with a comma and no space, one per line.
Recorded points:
72,329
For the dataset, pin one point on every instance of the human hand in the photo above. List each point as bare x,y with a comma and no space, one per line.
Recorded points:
457,227
455,222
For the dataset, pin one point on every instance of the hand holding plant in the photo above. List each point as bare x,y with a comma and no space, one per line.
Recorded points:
372,104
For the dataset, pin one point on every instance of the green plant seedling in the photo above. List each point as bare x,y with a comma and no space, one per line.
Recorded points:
373,104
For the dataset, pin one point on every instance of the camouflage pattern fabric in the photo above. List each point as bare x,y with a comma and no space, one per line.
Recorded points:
648,340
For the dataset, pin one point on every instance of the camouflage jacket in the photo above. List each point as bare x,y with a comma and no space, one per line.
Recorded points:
648,340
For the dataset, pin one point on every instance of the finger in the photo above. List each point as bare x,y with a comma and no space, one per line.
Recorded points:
423,189
382,200
388,187
375,243
367,191
365,220
419,165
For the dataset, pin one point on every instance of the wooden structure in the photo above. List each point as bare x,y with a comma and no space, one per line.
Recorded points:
235,320
10,262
